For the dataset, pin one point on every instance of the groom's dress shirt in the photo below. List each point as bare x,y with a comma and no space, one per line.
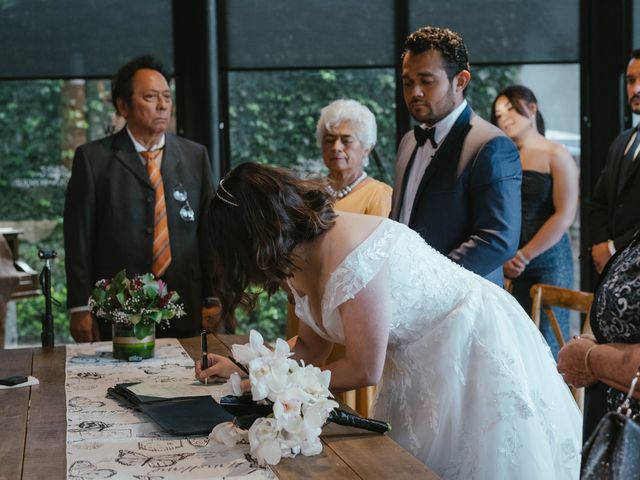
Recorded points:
424,155
462,196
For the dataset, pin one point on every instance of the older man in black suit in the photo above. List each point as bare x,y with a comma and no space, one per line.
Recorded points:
138,200
457,176
615,215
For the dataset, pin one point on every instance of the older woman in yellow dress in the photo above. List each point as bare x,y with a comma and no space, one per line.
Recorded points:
347,133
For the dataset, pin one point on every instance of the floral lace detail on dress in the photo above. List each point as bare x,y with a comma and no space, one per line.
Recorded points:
469,385
357,269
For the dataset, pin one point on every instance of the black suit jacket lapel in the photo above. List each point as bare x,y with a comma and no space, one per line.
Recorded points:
125,152
170,159
614,176
631,173
448,152
623,183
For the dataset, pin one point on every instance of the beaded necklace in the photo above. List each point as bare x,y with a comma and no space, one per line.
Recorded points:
343,192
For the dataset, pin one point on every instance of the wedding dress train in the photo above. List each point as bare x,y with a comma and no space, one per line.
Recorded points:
469,385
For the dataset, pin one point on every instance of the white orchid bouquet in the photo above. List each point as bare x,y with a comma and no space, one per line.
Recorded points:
299,396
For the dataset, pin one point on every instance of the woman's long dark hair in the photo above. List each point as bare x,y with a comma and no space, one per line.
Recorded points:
258,216
519,96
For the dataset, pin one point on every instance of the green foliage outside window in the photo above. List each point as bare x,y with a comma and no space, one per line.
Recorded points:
38,120
32,180
273,117
485,84
269,317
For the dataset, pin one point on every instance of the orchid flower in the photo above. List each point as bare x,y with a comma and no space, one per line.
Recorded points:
228,434
300,400
263,438
254,349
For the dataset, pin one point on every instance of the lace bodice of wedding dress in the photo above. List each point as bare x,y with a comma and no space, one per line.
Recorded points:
469,386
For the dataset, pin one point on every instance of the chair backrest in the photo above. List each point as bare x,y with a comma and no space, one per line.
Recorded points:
543,297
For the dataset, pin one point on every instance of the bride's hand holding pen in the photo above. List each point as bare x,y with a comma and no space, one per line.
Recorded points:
217,366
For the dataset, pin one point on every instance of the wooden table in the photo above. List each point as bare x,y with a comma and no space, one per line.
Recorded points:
33,428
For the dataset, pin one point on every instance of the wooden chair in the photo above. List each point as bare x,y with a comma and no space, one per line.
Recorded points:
543,297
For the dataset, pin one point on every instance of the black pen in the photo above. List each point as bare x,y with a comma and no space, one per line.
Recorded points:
205,360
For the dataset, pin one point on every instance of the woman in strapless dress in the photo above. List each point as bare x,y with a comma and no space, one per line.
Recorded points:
549,203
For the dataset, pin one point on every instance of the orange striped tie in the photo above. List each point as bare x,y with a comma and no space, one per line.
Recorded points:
161,247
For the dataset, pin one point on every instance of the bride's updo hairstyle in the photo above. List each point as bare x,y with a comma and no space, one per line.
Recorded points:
257,217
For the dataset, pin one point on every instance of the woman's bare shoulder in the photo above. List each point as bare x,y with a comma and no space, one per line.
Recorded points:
560,159
349,231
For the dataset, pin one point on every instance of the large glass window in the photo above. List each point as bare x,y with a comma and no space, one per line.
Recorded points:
272,119
279,73
41,124
273,114
557,88
79,38
289,34
43,121
506,31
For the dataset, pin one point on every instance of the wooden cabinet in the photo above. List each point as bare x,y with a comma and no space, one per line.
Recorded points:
28,285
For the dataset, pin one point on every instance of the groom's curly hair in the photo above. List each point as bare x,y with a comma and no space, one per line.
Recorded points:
258,216
449,43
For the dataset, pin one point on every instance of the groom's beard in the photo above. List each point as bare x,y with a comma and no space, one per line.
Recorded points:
440,110
634,103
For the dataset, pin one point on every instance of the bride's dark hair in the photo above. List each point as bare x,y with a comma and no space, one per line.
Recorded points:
258,216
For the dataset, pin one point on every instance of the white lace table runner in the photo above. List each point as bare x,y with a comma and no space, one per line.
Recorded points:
108,440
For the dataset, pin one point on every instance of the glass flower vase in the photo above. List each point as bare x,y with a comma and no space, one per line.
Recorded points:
133,342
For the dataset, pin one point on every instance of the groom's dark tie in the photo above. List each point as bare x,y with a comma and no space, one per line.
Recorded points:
424,134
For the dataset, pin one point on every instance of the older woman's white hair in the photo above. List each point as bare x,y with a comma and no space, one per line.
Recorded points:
352,112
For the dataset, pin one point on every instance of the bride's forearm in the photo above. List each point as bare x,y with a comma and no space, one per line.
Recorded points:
310,352
347,376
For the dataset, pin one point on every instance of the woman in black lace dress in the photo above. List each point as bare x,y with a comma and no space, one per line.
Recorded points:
607,363
549,203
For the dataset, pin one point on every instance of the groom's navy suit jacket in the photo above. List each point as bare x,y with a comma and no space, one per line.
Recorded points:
468,202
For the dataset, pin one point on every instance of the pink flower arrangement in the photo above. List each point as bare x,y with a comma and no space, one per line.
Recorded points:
140,300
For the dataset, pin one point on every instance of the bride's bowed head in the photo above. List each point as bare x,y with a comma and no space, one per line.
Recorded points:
258,216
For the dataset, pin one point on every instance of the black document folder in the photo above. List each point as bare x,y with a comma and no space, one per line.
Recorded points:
177,416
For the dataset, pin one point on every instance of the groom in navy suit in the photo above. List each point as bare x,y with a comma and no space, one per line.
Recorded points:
457,176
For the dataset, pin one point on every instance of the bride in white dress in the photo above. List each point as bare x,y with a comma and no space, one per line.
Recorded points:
465,378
